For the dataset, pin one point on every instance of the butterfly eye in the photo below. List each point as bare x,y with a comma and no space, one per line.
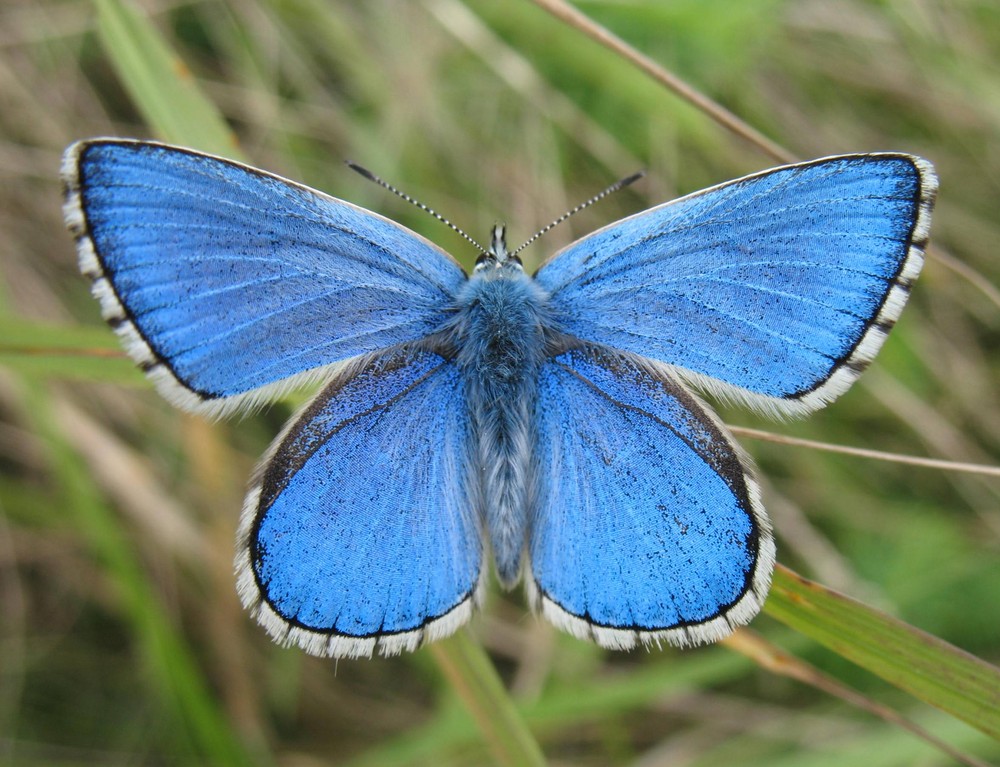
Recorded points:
485,259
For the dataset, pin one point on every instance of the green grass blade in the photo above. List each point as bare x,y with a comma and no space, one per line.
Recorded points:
159,83
473,677
76,352
925,666
202,729
566,707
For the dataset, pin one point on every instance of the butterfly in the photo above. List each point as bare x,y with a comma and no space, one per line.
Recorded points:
548,419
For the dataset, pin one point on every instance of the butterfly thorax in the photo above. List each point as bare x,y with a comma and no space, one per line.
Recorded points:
501,329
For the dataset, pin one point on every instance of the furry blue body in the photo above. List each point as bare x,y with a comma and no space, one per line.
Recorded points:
501,332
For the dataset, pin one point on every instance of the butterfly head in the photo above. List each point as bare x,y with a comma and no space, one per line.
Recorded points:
498,257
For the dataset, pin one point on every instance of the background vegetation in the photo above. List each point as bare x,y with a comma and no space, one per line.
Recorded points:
121,638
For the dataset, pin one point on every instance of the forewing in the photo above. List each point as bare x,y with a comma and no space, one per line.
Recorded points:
358,533
223,280
648,525
775,290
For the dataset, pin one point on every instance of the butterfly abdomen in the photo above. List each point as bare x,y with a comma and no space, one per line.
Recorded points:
500,335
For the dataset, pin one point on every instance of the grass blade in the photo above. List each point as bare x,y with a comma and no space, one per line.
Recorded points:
64,351
159,83
473,677
925,666
166,657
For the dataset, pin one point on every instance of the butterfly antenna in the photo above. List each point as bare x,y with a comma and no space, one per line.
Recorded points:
385,184
596,198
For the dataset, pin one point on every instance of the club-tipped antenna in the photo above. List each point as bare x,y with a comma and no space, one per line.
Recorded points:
385,184
596,198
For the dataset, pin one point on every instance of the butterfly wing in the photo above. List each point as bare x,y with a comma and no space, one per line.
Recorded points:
223,280
773,290
358,533
647,525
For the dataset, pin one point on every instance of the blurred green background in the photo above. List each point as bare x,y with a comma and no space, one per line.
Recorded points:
121,637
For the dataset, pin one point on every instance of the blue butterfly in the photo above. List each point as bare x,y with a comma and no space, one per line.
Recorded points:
548,418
